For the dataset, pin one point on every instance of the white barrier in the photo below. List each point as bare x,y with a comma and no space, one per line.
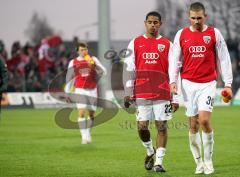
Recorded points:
45,100
236,100
30,100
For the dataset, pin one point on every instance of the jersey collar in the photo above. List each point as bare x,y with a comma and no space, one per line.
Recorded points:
159,36
204,28
79,58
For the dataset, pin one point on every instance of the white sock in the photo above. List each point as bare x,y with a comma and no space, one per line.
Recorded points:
89,125
195,146
88,132
208,142
160,153
82,127
149,147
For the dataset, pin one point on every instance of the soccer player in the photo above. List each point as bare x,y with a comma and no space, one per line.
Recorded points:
200,49
82,73
147,83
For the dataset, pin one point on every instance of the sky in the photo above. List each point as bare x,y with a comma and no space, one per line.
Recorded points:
72,17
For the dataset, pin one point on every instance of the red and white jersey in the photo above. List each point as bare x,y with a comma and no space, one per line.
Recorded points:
82,74
201,55
146,74
43,51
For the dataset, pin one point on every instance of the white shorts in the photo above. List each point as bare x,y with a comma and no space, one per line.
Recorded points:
88,98
159,110
198,96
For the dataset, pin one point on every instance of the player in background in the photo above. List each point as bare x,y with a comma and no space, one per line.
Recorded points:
203,53
82,74
147,82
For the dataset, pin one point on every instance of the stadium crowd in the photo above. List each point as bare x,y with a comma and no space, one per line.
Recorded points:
31,68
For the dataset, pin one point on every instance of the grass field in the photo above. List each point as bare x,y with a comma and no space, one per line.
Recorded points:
31,144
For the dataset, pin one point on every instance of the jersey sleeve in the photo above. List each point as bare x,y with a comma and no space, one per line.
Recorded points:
174,59
69,78
129,70
223,59
101,70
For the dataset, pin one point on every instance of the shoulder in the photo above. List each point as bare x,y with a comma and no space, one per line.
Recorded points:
185,30
178,36
218,36
131,44
165,40
137,39
179,32
95,58
71,62
211,28
140,38
216,31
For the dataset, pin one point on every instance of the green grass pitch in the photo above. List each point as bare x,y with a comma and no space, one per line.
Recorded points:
31,144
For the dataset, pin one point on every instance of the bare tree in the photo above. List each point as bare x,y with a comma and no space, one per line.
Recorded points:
38,29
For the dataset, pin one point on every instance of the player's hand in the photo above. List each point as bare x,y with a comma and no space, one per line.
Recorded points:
229,91
127,100
173,88
175,106
175,102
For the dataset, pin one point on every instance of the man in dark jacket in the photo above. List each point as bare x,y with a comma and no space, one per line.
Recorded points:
3,78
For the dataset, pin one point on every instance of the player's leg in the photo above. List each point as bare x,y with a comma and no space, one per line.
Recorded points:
90,123
91,114
82,123
144,114
144,135
195,143
208,141
205,104
162,113
161,142
190,97
91,101
81,102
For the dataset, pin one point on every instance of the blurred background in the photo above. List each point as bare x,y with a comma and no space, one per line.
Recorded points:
37,38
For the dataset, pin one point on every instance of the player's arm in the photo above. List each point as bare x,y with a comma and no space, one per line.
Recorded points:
69,78
129,74
101,70
174,100
224,61
174,62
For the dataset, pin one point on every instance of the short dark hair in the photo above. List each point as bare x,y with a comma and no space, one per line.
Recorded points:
155,14
197,6
81,44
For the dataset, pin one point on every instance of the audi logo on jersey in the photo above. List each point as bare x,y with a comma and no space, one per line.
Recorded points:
197,49
151,56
